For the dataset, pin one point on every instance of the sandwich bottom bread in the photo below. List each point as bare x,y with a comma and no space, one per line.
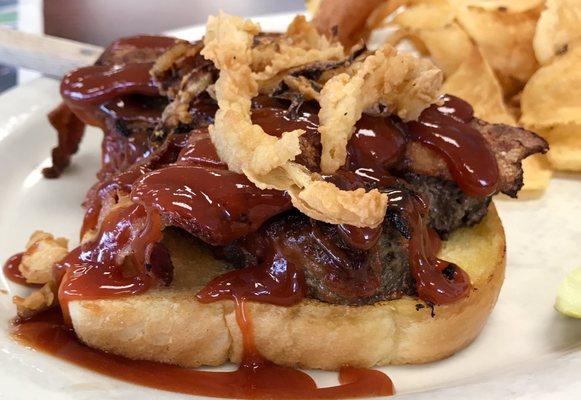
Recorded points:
170,325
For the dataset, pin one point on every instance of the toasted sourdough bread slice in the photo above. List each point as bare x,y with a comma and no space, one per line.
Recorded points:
169,325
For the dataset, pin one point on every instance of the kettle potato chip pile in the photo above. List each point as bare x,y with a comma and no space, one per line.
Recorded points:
515,61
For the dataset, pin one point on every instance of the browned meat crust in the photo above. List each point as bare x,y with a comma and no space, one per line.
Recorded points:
334,272
424,161
509,144
337,273
69,127
70,130
450,207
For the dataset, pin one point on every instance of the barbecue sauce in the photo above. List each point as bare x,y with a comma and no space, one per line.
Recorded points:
446,130
87,88
120,184
131,108
256,378
92,271
220,205
11,271
146,43
122,70
224,206
275,119
359,238
96,269
377,144
275,281
437,281
200,151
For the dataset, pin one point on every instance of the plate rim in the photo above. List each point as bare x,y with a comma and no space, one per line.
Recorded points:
542,370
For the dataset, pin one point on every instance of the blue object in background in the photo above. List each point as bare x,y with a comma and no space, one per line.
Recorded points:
8,18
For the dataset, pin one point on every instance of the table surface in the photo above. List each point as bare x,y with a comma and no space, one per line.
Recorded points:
101,21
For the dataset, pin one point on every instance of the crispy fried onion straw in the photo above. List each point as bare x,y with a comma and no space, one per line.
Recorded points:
264,159
180,91
300,45
404,84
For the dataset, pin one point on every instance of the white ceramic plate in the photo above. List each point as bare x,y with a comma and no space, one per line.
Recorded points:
527,350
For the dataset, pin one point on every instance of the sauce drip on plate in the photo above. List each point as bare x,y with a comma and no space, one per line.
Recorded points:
11,271
256,378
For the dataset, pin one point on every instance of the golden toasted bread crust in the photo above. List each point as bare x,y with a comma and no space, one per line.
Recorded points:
169,325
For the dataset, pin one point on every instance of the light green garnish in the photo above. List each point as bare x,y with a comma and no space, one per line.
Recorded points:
569,295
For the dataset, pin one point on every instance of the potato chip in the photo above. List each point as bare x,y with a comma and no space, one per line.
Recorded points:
505,39
558,26
426,15
312,5
537,173
432,28
448,46
508,6
381,16
513,104
565,144
475,82
510,86
553,95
